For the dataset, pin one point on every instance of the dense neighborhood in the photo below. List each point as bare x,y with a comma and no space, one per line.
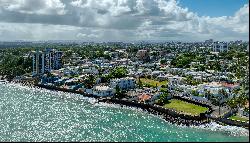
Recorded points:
215,73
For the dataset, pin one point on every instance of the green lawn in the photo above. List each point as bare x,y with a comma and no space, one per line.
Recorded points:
187,108
152,82
235,117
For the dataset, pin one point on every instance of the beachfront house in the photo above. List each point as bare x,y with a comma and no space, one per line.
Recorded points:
103,90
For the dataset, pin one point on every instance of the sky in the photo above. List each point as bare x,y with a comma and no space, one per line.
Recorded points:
213,8
124,20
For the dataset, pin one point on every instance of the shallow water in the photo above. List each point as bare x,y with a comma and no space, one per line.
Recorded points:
31,114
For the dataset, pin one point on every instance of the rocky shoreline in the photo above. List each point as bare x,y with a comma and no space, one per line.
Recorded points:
167,114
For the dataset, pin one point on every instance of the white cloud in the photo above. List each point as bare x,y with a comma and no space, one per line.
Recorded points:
46,7
83,35
118,20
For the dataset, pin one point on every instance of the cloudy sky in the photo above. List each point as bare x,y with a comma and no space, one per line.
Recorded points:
124,20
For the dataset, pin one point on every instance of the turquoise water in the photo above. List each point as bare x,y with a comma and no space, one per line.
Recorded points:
30,114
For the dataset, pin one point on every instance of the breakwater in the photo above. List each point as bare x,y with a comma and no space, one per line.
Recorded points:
225,120
168,114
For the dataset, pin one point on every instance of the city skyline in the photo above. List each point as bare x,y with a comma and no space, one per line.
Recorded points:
124,20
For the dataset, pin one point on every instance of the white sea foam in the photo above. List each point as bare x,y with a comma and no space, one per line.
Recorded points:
232,130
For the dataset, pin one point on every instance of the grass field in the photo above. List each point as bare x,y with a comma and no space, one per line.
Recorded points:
235,117
187,108
152,82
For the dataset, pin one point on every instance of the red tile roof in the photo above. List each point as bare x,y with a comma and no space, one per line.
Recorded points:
144,97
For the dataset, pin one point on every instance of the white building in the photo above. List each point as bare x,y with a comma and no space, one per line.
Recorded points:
220,47
123,83
46,61
38,62
102,90
175,81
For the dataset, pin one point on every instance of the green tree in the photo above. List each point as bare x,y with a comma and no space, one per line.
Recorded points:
119,93
208,94
223,93
163,61
118,72
232,103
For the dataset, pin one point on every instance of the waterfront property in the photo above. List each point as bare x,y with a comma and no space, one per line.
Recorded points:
239,118
185,107
103,90
123,83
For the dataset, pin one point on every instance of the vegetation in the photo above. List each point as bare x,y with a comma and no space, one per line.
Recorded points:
90,81
191,81
187,108
236,117
13,63
184,60
195,93
163,97
118,72
118,92
152,83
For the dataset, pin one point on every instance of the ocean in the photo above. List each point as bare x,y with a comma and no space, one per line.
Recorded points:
33,114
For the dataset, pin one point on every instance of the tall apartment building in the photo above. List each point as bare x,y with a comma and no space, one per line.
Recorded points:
45,61
220,46
38,62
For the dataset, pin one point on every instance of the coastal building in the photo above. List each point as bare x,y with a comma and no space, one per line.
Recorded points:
220,46
38,62
103,90
123,83
53,59
45,61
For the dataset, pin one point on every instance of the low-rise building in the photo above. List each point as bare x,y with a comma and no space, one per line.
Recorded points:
123,83
174,81
103,90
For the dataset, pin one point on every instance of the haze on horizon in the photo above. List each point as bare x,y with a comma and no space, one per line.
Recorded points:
122,20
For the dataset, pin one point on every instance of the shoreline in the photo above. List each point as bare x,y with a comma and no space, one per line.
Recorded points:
168,115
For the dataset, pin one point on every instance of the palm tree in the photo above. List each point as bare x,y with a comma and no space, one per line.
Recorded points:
208,94
223,93
232,103
90,81
217,101
235,91
118,91
242,99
